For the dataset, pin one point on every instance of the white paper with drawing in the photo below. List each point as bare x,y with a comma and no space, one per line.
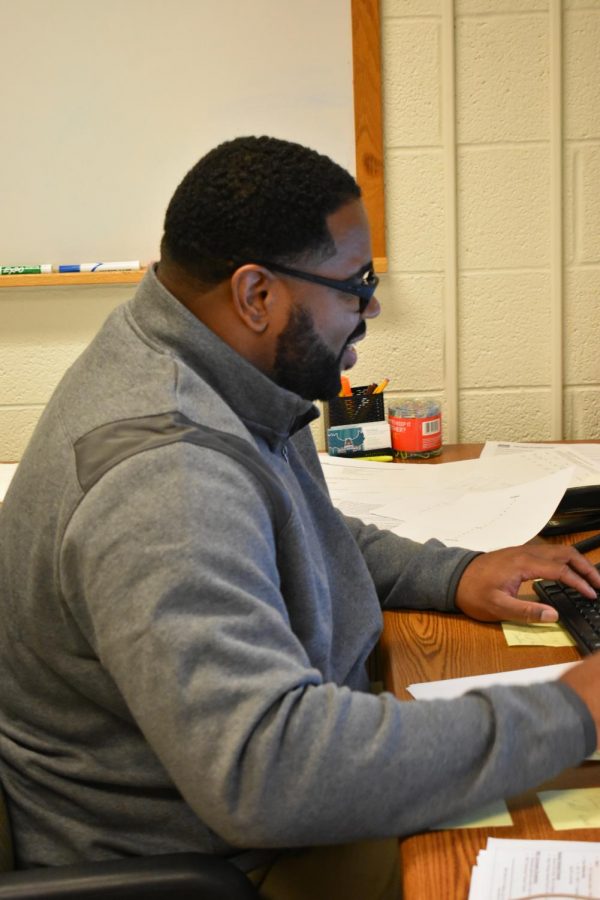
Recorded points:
585,458
482,504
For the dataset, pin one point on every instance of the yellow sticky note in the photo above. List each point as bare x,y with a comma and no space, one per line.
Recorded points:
493,814
536,634
575,808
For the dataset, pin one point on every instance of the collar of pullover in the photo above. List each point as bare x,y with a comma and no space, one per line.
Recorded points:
265,408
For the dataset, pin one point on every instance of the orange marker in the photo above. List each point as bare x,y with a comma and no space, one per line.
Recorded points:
346,390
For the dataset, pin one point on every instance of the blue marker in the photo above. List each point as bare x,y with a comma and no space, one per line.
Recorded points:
130,265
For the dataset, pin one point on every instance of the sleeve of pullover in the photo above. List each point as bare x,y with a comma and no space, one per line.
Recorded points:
409,574
173,579
405,573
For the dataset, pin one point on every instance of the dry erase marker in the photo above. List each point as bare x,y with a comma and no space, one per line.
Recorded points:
127,266
346,390
591,543
44,269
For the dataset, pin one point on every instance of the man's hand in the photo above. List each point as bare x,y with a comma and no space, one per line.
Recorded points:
489,585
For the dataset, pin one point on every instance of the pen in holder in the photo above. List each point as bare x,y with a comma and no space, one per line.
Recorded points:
356,425
363,406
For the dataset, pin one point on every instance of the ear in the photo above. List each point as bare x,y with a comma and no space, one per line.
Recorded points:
252,289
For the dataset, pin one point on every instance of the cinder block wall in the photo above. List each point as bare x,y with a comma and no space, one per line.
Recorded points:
500,278
42,331
476,296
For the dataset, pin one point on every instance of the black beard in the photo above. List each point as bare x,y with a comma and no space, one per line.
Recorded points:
303,364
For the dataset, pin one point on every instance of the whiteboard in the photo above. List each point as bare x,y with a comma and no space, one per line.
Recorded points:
106,105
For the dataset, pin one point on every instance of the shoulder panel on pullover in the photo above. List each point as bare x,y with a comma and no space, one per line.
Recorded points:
105,447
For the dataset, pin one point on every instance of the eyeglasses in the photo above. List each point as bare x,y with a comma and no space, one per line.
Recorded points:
362,285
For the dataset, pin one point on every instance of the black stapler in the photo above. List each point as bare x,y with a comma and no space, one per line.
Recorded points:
579,510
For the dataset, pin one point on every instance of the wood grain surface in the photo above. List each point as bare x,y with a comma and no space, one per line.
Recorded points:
429,646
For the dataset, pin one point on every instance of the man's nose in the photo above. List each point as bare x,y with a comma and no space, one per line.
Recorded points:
372,309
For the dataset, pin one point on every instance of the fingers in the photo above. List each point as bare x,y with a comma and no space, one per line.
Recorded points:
511,609
565,564
584,567
500,606
569,577
488,587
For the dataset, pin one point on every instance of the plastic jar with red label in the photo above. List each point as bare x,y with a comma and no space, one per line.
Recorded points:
416,428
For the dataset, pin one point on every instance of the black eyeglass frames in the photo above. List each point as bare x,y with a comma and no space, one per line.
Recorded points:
362,285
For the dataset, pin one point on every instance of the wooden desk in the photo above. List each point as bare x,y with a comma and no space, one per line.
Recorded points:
428,646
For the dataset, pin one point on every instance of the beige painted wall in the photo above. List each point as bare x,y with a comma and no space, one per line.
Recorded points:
475,290
516,305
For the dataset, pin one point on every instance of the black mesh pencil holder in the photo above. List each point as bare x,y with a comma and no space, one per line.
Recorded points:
360,407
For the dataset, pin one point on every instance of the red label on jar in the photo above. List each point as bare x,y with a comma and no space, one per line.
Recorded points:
416,435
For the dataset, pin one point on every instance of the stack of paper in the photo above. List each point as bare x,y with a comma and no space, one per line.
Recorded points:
584,458
516,870
501,499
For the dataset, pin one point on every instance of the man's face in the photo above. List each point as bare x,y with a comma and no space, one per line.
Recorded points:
317,343
304,364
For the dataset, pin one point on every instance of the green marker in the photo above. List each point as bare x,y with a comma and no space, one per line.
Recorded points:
44,269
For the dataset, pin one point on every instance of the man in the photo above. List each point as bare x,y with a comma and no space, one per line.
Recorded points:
185,618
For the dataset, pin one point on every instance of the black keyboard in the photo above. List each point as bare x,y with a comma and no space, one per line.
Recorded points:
580,616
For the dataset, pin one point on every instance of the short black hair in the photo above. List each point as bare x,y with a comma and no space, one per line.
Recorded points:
254,198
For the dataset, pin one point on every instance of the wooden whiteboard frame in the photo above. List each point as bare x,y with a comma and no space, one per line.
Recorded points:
368,134
368,119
